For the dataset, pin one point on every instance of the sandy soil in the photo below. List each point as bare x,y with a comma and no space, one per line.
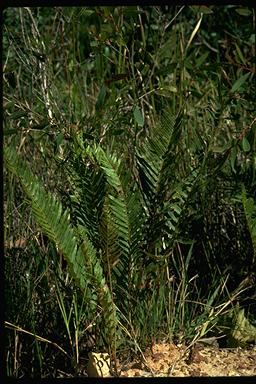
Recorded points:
171,360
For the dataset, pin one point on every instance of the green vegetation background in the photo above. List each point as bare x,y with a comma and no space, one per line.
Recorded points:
129,133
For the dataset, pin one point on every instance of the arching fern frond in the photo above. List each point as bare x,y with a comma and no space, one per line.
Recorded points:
74,245
157,157
50,216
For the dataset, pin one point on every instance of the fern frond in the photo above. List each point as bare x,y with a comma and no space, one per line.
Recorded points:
122,225
51,217
102,289
166,179
157,158
177,203
55,223
117,205
115,219
88,194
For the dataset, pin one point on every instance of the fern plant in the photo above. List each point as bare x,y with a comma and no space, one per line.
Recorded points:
118,223
133,218
165,181
74,245
120,226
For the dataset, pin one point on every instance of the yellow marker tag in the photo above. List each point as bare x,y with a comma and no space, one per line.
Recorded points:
99,365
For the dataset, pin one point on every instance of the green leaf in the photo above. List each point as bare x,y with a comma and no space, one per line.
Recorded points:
138,117
101,98
246,145
239,52
252,39
9,105
87,12
205,10
202,59
201,9
17,115
166,91
243,11
59,139
233,158
218,149
239,82
131,11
